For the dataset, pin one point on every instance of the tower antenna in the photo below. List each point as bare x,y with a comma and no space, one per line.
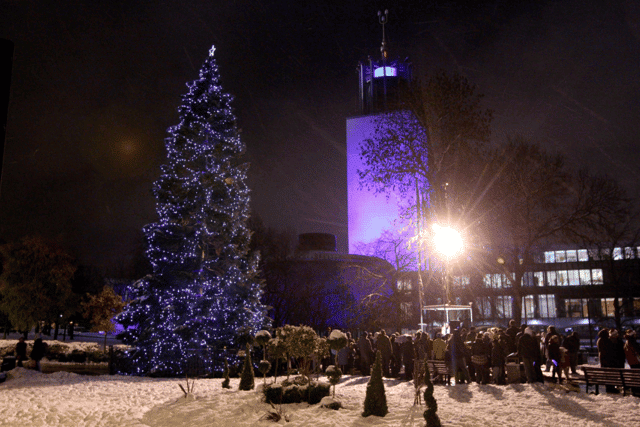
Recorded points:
383,18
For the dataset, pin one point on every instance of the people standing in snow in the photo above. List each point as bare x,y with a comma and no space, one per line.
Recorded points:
529,352
554,356
618,349
21,351
384,346
458,353
366,353
38,352
480,357
572,344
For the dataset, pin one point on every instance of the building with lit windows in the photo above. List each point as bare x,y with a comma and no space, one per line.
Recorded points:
569,288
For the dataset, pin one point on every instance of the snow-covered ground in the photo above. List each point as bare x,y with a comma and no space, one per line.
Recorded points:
29,398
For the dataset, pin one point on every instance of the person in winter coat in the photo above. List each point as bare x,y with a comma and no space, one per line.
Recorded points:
529,352
459,353
498,356
551,331
480,356
618,349
606,354
632,349
38,352
384,346
572,344
439,348
632,353
396,360
21,351
554,357
366,352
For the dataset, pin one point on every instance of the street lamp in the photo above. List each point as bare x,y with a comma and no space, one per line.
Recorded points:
448,242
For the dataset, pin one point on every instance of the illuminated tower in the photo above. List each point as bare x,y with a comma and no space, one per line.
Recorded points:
380,86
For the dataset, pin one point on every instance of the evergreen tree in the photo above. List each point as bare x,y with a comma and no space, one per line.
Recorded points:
247,378
375,402
204,290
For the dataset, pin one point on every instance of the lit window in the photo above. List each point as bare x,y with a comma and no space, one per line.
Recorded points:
528,307
404,285
572,256
596,276
629,253
574,278
562,278
561,256
382,71
585,277
547,305
608,310
583,255
549,256
539,278
503,307
617,253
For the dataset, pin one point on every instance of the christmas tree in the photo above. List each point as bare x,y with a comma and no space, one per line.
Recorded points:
204,289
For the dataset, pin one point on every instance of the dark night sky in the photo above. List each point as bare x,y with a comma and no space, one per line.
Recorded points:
96,84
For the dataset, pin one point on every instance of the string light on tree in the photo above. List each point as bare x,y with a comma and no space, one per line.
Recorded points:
204,289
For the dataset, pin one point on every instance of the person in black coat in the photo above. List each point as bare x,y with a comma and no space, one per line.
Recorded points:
572,344
21,351
554,356
606,353
38,352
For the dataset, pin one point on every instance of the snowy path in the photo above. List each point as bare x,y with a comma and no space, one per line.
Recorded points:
29,398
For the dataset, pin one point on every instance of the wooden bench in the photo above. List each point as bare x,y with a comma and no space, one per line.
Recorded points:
441,369
617,377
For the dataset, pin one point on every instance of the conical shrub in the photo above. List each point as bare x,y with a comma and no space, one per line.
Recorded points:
375,403
247,380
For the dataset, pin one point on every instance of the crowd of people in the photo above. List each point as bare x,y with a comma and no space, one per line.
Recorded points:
482,355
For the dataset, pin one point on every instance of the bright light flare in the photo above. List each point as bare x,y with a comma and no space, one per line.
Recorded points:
447,240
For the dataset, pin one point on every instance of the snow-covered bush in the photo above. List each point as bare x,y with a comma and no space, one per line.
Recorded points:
337,341
334,374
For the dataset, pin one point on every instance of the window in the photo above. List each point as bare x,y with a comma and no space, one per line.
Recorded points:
574,277
547,305
576,307
561,256
549,256
405,308
483,306
528,307
608,310
382,71
562,278
596,276
538,277
404,284
617,253
585,277
503,307
551,278
572,256
583,255
461,281
629,253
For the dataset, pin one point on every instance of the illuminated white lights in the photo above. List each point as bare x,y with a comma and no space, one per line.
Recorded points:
385,71
446,240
